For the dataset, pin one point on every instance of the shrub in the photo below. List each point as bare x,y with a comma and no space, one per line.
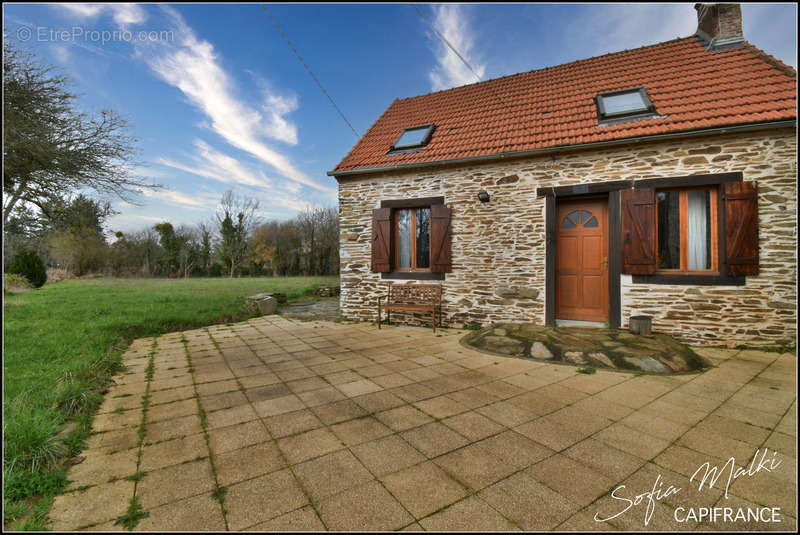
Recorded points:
28,264
216,270
16,282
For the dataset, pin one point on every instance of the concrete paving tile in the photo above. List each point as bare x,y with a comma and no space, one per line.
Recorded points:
474,466
360,430
272,391
198,513
305,385
321,396
110,421
246,463
331,474
473,426
99,467
531,505
472,514
300,520
366,508
338,411
561,474
500,389
261,379
413,392
579,419
471,398
234,437
281,405
378,401
717,446
225,400
174,483
769,489
440,407
537,403
262,498
168,411
632,441
402,418
729,427
606,409
655,426
167,396
117,440
608,460
392,380
386,455
291,423
231,416
515,449
173,428
553,434
173,452
209,389
506,413
434,439
423,489
104,502
304,446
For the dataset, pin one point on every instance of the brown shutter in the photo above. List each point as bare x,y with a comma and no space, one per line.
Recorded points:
441,259
638,231
741,228
381,240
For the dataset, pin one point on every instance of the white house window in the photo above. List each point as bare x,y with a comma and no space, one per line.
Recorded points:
628,103
411,138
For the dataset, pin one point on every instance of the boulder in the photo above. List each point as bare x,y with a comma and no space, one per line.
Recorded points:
575,357
599,359
648,364
540,351
268,306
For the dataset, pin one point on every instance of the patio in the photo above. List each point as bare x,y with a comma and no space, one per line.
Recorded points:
277,424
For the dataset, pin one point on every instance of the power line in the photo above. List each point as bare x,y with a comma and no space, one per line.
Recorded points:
299,57
465,62
446,42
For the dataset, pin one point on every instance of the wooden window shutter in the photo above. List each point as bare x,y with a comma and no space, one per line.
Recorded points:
741,228
638,231
441,257
381,240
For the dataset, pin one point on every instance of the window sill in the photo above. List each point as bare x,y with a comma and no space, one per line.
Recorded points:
689,280
413,275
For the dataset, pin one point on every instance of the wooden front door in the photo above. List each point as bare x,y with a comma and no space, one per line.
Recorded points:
582,260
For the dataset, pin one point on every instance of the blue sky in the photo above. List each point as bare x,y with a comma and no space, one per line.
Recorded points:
219,101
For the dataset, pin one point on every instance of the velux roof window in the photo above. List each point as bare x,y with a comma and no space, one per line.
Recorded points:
625,104
415,137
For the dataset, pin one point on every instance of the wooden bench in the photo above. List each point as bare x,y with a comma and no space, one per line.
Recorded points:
414,298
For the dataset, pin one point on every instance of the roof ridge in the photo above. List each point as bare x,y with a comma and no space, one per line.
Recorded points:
770,59
574,62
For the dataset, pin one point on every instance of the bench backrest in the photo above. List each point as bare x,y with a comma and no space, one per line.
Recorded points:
415,293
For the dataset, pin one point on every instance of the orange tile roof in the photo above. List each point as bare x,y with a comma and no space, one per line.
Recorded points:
690,87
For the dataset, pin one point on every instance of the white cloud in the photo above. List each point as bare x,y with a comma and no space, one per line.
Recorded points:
451,22
203,200
191,65
123,14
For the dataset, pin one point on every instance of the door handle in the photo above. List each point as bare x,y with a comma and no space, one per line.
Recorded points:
605,263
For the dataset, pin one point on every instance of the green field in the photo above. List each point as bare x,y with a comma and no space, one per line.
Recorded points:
60,344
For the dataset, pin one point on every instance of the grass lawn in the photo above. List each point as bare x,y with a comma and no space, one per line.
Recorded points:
62,342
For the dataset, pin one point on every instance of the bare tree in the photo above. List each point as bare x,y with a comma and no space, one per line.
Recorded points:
50,148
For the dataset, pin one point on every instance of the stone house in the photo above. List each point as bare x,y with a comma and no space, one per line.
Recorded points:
657,181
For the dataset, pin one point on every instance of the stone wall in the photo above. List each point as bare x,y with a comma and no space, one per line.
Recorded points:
499,247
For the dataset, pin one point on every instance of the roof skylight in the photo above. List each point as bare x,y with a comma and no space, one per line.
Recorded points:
414,137
624,104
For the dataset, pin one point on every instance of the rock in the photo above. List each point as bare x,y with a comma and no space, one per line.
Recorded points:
268,305
503,345
575,357
647,364
540,351
500,332
281,298
327,291
675,363
600,359
506,291
528,293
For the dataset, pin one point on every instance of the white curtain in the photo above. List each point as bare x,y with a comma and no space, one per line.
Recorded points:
698,229
404,238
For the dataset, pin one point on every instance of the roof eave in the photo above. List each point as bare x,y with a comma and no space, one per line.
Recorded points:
564,148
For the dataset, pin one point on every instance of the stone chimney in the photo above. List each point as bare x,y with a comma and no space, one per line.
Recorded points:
720,25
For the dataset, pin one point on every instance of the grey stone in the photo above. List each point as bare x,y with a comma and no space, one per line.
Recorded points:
268,305
528,293
575,357
281,298
648,364
600,359
507,291
540,351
